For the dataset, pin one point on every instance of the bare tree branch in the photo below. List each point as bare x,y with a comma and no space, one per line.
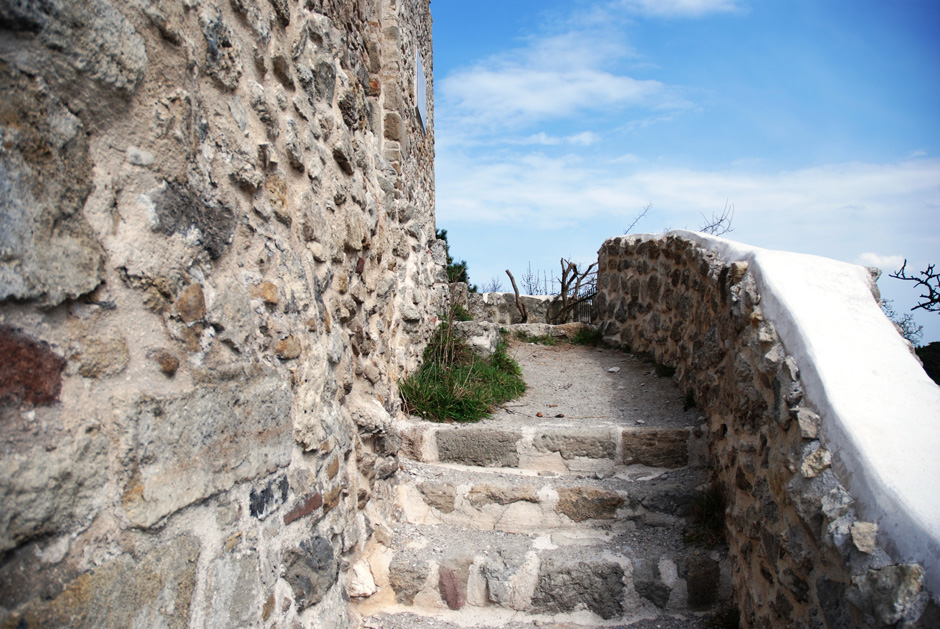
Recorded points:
719,224
930,301
637,219
519,304
572,296
492,286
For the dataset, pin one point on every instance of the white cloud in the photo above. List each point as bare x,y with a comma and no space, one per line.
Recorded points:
824,204
585,138
888,264
553,76
679,8
514,94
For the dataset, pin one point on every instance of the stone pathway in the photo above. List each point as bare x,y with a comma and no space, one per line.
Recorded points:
566,509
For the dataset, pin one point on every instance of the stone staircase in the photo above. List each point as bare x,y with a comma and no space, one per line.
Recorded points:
572,519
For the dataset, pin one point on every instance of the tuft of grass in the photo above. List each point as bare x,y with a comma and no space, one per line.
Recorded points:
708,518
454,384
588,336
543,339
459,313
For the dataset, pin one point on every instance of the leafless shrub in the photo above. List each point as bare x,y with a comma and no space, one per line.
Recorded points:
930,281
638,217
494,285
719,223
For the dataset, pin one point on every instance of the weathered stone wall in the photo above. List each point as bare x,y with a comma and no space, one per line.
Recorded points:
215,231
801,555
501,307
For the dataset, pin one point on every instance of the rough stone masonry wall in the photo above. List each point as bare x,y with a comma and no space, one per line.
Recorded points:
801,557
215,229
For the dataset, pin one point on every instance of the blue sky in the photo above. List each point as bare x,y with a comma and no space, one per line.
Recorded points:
557,122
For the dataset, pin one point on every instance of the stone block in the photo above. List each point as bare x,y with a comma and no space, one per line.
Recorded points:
233,591
656,448
49,252
440,496
106,49
570,444
891,595
153,591
407,578
30,371
178,209
482,337
478,446
588,503
703,576
191,303
865,536
268,496
185,449
649,583
361,583
311,569
393,126
566,586
480,495
223,53
451,589
43,491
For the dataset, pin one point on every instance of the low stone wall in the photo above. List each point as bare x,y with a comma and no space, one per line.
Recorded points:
215,230
802,554
501,307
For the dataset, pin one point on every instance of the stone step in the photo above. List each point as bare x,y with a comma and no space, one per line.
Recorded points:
563,448
524,502
405,618
596,576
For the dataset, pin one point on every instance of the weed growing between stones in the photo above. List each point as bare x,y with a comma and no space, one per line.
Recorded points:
454,384
588,336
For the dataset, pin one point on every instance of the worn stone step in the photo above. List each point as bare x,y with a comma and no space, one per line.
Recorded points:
598,574
563,448
516,501
405,618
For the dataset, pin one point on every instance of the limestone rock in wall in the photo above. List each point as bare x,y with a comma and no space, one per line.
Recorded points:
233,587
311,569
47,250
77,47
154,591
183,450
43,492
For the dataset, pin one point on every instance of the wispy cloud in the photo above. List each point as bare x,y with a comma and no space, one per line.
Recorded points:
885,263
551,77
679,8
829,201
585,138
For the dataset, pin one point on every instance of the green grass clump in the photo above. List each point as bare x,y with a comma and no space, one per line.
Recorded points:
588,336
544,339
461,313
454,384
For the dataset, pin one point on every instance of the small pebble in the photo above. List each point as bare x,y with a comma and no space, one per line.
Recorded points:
613,370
